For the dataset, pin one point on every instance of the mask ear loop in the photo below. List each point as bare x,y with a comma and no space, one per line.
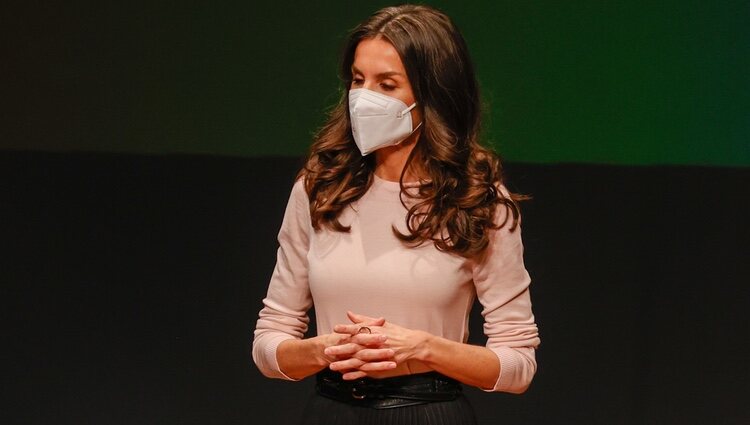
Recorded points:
403,114
405,111
415,128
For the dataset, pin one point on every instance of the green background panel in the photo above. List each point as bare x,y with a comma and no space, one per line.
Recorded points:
584,81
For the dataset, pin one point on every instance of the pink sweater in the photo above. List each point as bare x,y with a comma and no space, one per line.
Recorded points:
369,271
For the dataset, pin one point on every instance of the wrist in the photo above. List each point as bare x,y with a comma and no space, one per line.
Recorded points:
320,343
424,347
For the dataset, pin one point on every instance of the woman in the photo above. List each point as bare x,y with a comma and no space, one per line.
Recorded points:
397,221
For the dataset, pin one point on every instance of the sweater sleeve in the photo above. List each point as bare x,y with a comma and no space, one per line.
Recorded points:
502,285
284,313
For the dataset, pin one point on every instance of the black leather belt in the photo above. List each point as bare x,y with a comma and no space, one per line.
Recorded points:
387,393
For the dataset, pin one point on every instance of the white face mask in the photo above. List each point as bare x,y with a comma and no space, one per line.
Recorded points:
378,120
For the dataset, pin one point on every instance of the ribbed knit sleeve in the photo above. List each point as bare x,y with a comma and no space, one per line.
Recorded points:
502,285
284,314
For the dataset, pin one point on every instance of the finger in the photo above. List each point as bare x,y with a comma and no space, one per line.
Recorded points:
349,376
347,329
368,367
355,331
369,340
365,320
347,364
376,366
370,354
343,338
344,349
362,319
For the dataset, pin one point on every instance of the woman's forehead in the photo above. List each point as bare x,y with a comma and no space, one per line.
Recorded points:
377,55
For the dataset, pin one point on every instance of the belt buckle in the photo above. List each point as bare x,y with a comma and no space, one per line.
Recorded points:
357,392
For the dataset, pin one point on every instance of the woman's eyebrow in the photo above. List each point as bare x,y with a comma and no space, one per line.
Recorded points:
382,75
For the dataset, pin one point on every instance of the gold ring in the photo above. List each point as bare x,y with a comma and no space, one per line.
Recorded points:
364,329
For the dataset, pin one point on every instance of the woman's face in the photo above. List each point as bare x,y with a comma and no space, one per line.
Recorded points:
378,67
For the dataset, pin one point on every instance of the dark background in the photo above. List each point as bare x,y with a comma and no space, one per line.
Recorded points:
629,82
133,284
147,152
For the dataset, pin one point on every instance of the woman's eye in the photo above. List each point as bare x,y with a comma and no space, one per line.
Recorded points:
387,87
356,81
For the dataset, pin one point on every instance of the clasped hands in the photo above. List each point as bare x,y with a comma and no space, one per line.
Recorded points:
356,354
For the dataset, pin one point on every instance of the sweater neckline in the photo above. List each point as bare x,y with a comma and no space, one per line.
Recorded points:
379,182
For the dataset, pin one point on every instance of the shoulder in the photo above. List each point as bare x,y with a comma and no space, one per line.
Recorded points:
507,212
298,193
298,189
297,215
298,203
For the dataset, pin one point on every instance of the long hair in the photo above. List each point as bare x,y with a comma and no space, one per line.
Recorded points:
455,205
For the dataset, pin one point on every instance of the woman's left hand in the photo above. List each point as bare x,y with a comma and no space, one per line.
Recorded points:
405,344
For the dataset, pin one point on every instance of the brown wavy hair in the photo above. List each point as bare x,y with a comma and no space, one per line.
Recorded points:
456,202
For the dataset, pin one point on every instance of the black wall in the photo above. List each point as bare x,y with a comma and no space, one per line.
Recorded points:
131,285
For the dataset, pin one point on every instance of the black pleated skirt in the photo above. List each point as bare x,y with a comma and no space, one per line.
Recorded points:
325,411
